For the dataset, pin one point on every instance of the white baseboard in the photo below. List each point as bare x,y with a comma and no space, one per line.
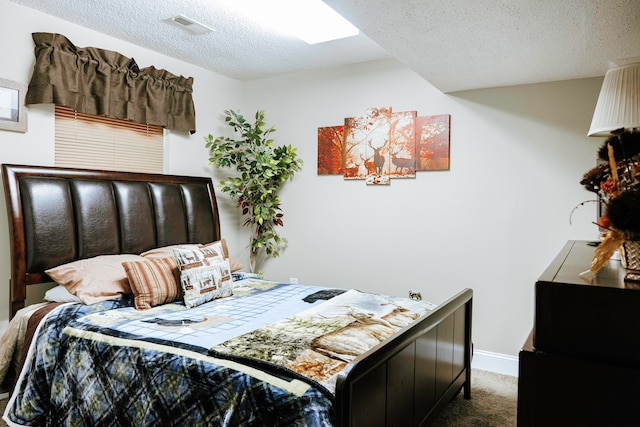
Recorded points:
495,362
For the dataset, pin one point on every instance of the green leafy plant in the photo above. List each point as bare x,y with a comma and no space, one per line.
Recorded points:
262,169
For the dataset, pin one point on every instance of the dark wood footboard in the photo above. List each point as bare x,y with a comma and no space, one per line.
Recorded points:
405,380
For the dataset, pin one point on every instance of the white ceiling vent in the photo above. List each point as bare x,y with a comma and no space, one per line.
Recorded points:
190,25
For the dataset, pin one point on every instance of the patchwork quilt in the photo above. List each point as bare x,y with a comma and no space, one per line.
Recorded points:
269,355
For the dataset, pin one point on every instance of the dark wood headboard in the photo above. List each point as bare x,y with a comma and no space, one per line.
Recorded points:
59,215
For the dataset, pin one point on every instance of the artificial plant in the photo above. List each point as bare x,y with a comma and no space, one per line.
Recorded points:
262,168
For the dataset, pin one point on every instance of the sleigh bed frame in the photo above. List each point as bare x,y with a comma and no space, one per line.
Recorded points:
59,215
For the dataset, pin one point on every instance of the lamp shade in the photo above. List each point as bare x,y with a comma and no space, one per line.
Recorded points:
618,105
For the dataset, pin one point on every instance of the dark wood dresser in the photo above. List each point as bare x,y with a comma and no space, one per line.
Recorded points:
580,366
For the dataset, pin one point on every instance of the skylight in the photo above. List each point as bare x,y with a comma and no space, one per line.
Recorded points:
310,20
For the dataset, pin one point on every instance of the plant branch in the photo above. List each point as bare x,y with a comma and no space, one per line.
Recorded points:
263,169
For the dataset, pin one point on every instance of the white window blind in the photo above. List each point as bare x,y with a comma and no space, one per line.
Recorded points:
97,142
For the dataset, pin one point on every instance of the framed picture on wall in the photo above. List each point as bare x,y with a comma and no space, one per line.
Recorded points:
13,114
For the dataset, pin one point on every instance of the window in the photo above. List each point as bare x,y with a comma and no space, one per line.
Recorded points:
98,142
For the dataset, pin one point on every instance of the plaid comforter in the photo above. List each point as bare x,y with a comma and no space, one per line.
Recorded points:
86,369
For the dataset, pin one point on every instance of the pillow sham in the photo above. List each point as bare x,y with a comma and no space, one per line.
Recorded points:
204,275
167,251
235,265
94,279
190,257
153,281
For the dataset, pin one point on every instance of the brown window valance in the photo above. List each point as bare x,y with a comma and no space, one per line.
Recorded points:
103,82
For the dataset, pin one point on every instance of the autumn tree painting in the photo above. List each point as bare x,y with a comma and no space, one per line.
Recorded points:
331,150
402,145
381,145
433,142
367,137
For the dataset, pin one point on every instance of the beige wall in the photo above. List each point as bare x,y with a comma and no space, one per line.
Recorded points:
492,223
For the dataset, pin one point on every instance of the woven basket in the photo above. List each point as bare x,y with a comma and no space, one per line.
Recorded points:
630,254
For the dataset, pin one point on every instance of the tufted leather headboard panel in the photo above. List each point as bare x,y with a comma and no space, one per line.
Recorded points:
59,215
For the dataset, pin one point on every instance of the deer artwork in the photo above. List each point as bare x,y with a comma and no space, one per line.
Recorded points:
351,172
378,158
368,164
402,163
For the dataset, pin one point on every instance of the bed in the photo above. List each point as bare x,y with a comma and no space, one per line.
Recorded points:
63,216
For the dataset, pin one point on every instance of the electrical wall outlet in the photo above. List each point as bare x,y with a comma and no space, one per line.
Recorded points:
293,280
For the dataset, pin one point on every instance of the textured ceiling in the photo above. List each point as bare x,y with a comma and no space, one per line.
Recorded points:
454,44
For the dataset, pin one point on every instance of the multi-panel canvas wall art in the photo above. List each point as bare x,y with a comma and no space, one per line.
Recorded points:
381,145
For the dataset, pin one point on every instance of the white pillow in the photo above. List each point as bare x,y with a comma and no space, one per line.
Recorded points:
60,294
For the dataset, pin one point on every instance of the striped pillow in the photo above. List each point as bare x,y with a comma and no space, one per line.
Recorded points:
153,281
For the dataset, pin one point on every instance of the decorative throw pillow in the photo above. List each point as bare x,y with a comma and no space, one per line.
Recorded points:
94,279
190,257
153,281
233,264
204,275
167,251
